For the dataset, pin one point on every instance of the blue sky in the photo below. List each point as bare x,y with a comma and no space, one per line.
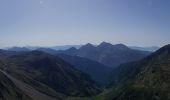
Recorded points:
60,22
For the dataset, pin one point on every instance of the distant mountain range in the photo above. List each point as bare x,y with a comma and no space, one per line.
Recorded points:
147,79
65,47
18,49
29,48
107,54
151,49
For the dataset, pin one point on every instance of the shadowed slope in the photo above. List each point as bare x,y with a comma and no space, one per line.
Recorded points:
97,71
41,68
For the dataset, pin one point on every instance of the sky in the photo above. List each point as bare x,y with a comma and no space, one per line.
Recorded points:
67,22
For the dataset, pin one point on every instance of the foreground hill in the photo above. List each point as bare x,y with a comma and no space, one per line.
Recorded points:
147,79
107,54
48,74
24,91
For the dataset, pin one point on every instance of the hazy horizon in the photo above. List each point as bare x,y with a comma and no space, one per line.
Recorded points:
73,45
77,22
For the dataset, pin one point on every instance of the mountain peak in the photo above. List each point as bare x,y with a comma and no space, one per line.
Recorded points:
88,45
166,47
121,46
72,48
105,43
109,45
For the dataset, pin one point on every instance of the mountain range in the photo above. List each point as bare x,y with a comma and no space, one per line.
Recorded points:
65,47
107,54
47,75
151,49
18,49
96,60
91,72
29,48
146,79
